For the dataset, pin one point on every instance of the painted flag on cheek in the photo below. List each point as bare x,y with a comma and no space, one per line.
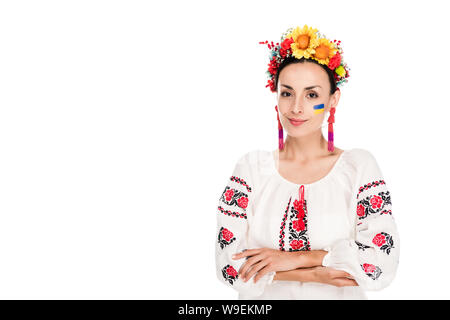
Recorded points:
319,108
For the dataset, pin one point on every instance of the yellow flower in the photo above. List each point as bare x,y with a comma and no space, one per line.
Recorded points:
340,71
324,51
305,40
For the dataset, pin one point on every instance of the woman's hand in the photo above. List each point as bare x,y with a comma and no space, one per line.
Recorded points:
265,260
320,274
333,277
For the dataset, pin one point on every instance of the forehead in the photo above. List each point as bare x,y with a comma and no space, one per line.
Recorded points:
300,75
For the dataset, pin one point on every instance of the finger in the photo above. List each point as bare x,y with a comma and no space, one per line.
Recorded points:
340,274
245,253
261,273
244,269
344,282
249,264
255,269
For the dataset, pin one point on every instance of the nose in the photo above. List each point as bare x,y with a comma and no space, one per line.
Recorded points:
298,106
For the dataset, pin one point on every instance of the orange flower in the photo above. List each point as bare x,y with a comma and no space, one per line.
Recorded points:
324,51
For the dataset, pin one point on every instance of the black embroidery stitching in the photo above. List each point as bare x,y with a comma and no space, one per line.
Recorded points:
283,225
301,235
222,241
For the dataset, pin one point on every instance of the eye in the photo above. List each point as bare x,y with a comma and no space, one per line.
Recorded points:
313,95
288,94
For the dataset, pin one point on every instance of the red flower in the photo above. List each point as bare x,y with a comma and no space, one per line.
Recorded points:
285,47
273,65
243,202
298,225
229,194
231,271
360,211
376,202
379,240
271,85
286,44
296,244
369,268
335,61
227,234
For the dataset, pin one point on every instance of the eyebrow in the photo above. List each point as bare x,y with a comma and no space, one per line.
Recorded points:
307,88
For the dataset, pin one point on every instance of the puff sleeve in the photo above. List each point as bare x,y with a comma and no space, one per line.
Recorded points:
234,215
371,255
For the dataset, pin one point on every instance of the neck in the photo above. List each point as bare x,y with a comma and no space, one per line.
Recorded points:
305,148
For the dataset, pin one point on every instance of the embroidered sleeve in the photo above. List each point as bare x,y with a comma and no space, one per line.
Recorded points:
371,255
234,211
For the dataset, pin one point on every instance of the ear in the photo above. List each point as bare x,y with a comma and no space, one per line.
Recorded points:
334,99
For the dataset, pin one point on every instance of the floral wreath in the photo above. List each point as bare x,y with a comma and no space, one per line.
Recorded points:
307,43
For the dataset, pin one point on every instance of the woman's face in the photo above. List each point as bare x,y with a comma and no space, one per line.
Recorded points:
301,87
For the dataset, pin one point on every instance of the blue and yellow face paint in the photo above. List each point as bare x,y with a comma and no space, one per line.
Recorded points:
319,108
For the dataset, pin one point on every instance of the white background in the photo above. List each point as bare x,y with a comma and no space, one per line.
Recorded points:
121,121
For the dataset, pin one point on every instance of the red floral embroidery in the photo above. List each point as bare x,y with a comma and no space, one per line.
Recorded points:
243,202
298,225
296,244
384,241
297,205
371,271
225,237
227,234
376,202
229,194
299,209
373,204
360,211
369,268
233,197
229,273
379,240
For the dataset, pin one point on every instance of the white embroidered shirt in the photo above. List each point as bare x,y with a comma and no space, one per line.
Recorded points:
347,213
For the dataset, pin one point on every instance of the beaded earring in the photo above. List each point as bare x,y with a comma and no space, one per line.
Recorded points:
280,132
330,130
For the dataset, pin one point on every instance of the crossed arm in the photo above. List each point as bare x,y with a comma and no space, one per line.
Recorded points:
303,266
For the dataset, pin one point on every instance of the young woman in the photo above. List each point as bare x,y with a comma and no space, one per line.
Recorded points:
309,220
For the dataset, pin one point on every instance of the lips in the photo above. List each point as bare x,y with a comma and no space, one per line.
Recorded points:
296,122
